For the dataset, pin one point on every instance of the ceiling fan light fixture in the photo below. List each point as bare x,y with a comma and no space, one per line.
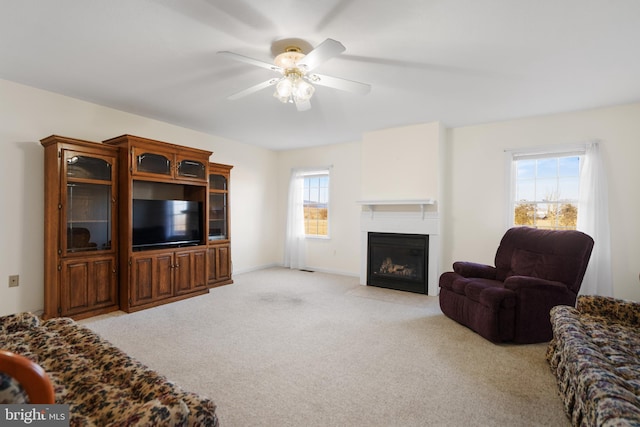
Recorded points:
296,83
303,91
293,88
289,58
284,89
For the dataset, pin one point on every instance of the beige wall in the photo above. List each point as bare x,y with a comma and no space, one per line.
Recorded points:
340,253
28,115
476,189
401,163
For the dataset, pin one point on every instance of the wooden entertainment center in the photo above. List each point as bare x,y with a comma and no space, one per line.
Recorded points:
131,223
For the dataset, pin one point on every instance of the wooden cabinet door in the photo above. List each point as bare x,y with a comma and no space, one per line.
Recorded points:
182,272
87,284
212,270
151,278
104,291
141,284
199,269
224,263
164,266
219,264
191,271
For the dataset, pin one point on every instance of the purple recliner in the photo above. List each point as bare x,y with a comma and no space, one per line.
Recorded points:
534,271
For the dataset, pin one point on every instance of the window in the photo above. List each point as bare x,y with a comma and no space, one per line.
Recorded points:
545,191
555,182
316,204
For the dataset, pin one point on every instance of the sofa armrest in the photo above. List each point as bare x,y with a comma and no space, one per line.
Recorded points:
613,309
472,269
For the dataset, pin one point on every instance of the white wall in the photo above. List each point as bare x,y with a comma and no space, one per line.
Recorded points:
475,186
28,115
341,252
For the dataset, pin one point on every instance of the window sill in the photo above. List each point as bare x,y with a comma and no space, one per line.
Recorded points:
312,237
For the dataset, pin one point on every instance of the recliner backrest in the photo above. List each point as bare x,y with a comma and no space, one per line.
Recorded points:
558,255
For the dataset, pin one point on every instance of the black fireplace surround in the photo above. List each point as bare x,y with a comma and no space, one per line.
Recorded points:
398,261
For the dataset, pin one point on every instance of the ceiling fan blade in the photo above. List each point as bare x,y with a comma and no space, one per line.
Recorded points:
338,83
324,51
252,61
253,89
303,105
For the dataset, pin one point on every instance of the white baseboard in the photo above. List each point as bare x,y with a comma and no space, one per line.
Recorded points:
256,268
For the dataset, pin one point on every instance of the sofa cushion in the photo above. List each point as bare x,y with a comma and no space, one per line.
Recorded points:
612,309
596,363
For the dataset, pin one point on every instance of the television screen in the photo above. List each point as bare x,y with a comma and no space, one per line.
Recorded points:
166,222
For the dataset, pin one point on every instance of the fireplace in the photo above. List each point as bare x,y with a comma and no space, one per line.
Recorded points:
402,217
398,261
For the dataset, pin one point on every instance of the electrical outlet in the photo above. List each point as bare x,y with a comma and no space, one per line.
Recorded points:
14,281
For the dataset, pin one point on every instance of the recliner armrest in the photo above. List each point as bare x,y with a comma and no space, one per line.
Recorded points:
472,269
527,282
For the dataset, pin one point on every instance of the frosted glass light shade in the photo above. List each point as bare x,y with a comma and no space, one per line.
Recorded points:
303,91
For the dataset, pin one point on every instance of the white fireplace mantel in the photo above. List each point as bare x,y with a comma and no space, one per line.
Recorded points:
406,202
372,204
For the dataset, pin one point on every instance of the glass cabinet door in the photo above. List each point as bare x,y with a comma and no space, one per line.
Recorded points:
88,201
217,216
218,182
87,167
153,163
191,169
218,193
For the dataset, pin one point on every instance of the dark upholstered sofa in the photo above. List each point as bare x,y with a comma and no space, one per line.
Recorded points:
595,356
534,271
102,385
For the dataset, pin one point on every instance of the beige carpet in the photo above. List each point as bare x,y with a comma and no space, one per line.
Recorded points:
291,348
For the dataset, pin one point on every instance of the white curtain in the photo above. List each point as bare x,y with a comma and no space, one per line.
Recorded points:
593,219
295,248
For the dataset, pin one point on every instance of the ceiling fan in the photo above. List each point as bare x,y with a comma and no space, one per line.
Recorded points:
296,82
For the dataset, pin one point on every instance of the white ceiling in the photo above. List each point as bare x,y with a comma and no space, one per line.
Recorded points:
460,62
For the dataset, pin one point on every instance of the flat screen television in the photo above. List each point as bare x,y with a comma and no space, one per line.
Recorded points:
166,223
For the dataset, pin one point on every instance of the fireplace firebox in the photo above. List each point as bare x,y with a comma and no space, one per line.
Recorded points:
398,261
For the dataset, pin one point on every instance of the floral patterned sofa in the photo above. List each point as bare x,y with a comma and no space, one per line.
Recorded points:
102,385
595,355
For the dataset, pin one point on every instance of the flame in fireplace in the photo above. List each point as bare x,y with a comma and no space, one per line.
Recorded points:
388,267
